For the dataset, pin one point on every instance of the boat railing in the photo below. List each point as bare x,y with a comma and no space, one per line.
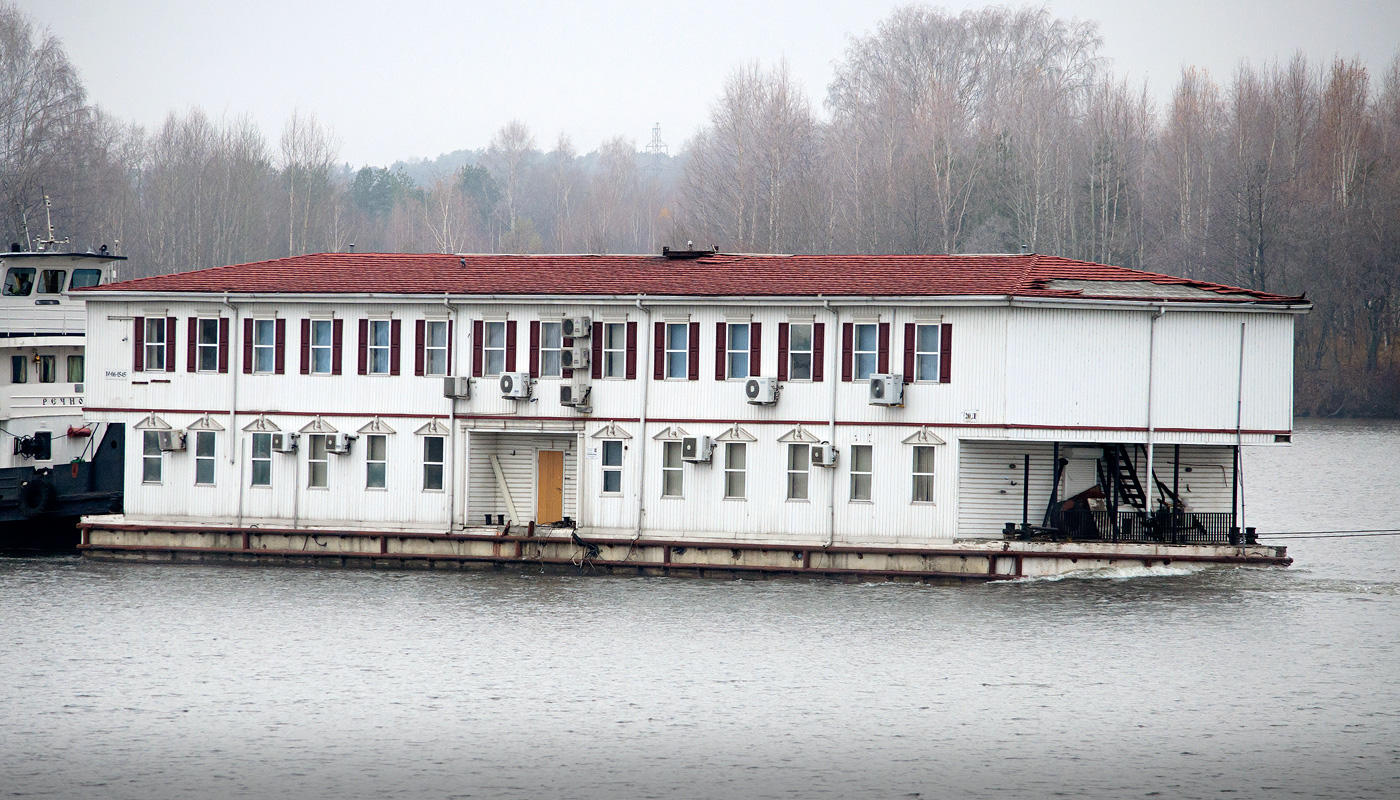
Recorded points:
1165,526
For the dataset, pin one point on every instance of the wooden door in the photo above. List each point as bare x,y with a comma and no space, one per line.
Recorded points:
550,503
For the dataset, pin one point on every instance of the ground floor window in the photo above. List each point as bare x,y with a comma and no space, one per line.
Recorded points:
150,457
923,474
735,470
262,459
672,470
432,463
204,458
317,461
799,462
862,467
612,467
376,460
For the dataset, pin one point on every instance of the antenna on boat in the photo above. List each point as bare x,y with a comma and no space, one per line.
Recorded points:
24,223
48,244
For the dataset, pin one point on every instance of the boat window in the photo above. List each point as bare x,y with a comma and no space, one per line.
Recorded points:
19,281
19,369
48,369
83,278
51,281
75,369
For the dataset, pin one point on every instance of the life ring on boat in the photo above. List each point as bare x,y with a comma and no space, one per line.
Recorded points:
36,496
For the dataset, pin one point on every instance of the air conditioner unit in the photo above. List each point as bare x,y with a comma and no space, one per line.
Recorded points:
886,390
285,442
515,385
696,448
171,441
574,394
577,327
574,358
457,386
824,455
340,443
761,391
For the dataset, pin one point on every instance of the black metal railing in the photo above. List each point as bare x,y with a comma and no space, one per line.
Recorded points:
1159,527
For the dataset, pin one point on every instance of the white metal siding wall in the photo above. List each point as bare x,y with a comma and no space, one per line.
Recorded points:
990,481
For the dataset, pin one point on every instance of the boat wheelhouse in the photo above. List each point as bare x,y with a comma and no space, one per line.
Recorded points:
926,416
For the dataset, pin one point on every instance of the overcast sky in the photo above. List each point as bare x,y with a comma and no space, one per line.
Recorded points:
402,79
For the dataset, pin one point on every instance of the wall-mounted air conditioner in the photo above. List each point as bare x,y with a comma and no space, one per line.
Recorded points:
696,448
515,385
761,391
171,441
574,358
824,455
577,327
574,394
340,443
886,390
457,386
285,442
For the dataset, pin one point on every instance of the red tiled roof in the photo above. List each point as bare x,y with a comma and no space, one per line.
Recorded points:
722,274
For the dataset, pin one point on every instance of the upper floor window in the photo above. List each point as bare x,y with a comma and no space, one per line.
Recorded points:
19,281
262,459
376,460
379,339
51,281
150,457
926,352
551,343
614,349
862,467
83,278
799,463
736,465
435,347
612,467
493,348
432,463
264,345
672,470
677,350
867,350
322,345
207,331
923,474
317,460
204,458
737,350
155,344
800,351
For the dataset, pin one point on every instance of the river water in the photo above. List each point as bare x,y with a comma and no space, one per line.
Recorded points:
146,681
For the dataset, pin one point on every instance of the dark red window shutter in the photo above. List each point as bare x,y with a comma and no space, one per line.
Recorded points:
534,348
247,347
306,347
364,347
694,371
756,348
818,351
510,346
782,351
395,339
721,346
848,350
172,326
419,345
945,353
280,351
909,352
631,351
138,345
883,357
478,331
658,368
337,342
597,366
191,338
223,344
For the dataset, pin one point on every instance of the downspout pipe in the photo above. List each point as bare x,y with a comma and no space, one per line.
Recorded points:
452,416
235,445
642,440
1151,423
1238,500
834,380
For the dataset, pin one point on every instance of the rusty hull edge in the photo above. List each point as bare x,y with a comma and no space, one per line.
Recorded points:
997,561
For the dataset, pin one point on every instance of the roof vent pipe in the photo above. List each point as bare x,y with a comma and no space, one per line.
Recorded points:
352,247
1025,249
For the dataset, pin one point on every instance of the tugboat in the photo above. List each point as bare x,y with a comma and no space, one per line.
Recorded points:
54,467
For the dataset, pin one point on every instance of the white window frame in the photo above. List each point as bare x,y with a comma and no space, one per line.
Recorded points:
672,468
318,478
551,349
255,459
733,353
264,346
491,352
435,348
920,479
733,471
434,470
152,459
794,352
857,354
868,473
674,354
382,440
614,350
322,349
799,477
205,460
205,347
379,346
923,356
156,352
611,469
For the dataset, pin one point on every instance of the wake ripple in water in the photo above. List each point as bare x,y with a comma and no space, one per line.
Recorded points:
1122,573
